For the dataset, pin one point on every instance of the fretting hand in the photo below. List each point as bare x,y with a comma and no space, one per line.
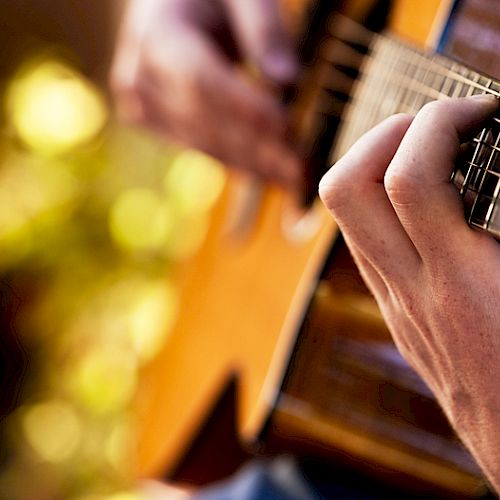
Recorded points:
178,70
436,280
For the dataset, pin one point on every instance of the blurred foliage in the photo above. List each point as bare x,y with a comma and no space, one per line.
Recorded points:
94,217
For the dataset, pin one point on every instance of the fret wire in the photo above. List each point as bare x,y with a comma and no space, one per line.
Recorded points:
406,75
410,83
489,167
377,86
459,85
370,117
365,90
492,204
482,170
458,78
481,142
421,79
420,100
439,78
449,84
477,86
387,105
412,77
471,88
426,91
365,95
391,103
410,73
442,65
423,98
431,93
394,77
399,76
466,182
384,82
491,172
351,116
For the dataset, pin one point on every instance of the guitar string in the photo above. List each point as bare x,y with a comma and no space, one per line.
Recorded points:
451,72
453,68
421,90
451,81
485,171
409,94
496,192
414,80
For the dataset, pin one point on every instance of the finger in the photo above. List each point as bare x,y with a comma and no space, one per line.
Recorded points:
418,179
232,140
263,39
190,67
353,191
214,108
125,66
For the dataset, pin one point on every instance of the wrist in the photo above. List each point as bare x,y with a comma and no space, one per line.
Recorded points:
475,417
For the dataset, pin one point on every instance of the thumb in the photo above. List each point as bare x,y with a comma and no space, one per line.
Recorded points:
263,39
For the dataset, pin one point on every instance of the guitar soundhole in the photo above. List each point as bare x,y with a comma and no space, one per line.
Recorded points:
478,178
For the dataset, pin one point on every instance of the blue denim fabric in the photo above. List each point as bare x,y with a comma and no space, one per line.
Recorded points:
279,479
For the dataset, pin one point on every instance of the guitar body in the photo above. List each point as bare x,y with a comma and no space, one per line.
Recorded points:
244,297
240,308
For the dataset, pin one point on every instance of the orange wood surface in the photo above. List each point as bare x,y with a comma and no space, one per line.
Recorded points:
241,302
241,307
417,21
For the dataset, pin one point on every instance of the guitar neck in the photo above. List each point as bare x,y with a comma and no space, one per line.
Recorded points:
396,78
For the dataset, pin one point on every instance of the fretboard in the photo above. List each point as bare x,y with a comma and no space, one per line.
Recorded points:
395,78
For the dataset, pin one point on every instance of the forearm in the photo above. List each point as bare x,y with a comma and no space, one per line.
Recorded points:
433,276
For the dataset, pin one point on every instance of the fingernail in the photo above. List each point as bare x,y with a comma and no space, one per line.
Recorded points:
490,98
280,66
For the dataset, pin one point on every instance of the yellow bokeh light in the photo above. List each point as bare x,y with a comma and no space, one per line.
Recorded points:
140,220
104,380
119,446
194,181
52,429
122,495
16,239
152,317
125,495
31,192
189,236
54,109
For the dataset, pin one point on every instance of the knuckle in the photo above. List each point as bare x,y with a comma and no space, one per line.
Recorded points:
326,192
400,185
402,119
335,190
432,111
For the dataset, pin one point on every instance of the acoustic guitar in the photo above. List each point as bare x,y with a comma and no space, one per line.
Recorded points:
272,302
